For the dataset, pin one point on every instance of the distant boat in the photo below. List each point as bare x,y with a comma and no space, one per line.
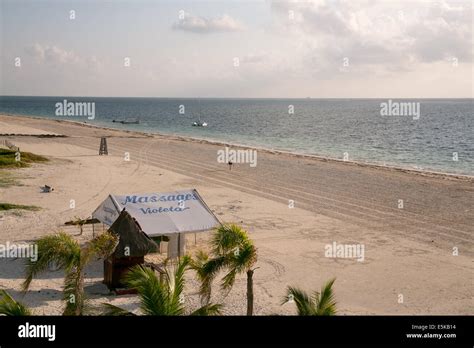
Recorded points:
199,123
128,121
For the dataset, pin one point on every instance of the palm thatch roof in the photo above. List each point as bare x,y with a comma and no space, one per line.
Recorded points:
133,241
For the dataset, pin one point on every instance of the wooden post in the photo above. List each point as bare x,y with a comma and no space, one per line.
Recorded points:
179,245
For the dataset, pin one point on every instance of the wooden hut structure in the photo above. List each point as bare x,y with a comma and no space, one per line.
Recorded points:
133,245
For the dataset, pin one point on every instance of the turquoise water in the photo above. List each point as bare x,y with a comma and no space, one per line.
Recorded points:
326,127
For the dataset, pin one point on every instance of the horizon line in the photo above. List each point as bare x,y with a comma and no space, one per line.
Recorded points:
237,98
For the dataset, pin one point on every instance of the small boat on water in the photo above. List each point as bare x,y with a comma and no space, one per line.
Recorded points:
127,121
199,123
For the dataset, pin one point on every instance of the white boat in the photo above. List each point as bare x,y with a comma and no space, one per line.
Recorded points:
199,123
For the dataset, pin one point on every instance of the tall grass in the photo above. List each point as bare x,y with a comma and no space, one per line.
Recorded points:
9,206
8,159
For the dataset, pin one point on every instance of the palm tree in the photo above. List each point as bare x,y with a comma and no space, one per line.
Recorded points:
10,307
320,303
160,295
232,251
62,250
197,264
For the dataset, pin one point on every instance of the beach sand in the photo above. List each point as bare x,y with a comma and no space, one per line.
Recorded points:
408,251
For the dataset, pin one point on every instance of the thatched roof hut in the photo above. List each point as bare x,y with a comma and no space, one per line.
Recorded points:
133,241
133,245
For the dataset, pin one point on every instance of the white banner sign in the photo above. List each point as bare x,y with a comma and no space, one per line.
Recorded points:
160,213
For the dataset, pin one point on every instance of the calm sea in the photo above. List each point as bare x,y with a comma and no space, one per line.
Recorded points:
333,128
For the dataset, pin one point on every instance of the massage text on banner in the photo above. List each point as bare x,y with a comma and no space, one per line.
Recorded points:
160,213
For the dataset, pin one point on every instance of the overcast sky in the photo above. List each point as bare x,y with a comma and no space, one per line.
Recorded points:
337,49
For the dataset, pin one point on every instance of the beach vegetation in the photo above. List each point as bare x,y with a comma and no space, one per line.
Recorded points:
10,159
161,295
10,206
315,304
65,253
11,307
232,252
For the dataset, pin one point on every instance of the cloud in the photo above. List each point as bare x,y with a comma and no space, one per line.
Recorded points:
381,35
36,51
446,31
52,54
288,48
53,58
254,58
204,25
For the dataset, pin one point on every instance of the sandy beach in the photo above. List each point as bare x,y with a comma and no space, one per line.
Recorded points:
408,250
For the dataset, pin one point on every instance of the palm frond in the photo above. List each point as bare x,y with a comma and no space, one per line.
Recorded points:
208,310
11,307
104,244
228,280
303,301
245,258
154,295
177,285
239,261
228,237
73,293
101,246
207,274
198,262
60,249
324,301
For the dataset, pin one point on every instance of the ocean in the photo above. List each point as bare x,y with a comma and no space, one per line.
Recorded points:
438,137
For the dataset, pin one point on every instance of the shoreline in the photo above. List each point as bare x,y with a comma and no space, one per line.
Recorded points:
390,168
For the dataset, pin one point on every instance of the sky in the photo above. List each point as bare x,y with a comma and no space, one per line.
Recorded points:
238,49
